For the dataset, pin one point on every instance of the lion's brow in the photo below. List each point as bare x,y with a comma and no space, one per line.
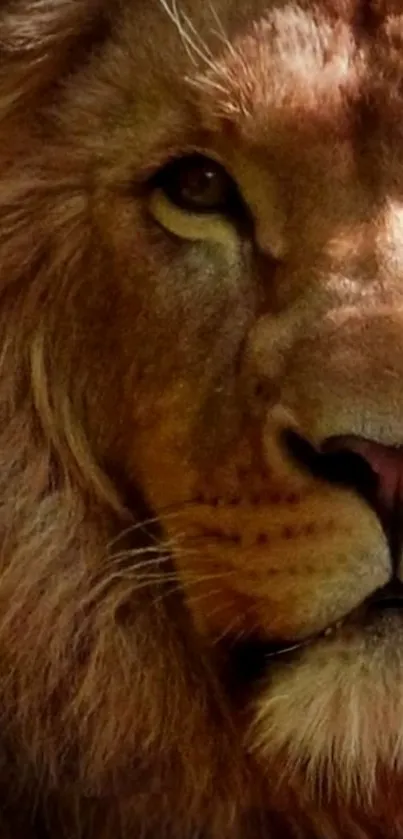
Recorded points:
290,66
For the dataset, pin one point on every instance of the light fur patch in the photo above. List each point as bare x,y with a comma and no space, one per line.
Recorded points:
335,716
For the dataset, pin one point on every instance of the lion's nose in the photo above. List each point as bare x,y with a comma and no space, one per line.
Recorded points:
383,488
373,470
385,462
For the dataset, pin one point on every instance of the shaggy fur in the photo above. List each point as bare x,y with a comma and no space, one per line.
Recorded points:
149,518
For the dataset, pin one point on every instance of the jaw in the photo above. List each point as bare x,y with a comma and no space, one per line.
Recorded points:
331,715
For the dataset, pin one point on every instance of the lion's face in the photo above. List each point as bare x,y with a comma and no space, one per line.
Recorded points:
248,183
238,173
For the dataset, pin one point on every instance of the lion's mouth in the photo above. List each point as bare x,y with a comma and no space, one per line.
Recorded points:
386,599
375,472
252,658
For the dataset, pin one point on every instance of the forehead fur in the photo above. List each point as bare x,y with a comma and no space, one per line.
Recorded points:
263,68
255,66
301,66
292,69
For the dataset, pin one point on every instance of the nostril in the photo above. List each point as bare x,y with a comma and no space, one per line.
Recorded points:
373,470
386,495
336,462
349,466
384,462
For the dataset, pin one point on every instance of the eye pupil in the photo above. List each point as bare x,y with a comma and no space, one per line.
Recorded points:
200,184
197,184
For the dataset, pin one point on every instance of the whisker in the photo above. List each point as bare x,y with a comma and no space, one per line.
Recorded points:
239,636
163,553
219,608
196,34
142,525
149,579
205,82
220,32
203,596
137,585
132,553
186,584
206,578
163,595
232,625
193,50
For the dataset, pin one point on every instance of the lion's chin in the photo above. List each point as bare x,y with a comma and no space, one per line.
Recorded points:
331,712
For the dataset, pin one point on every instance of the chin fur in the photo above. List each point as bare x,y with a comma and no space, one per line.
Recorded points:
334,718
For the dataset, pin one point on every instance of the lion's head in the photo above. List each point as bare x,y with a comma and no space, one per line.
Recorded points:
201,402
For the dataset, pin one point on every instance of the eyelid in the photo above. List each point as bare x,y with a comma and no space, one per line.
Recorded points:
167,156
214,226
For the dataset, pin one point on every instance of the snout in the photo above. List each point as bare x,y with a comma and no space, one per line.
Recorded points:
342,374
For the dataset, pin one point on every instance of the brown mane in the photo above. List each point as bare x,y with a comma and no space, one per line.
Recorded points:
88,731
112,722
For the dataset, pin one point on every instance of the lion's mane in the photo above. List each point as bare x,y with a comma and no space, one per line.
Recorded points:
96,682
112,722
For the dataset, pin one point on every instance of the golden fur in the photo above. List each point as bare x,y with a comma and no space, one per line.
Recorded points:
150,520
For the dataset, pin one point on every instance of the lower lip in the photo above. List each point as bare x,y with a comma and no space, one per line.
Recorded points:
364,615
249,661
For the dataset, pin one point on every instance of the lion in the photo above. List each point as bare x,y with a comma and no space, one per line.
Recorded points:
201,436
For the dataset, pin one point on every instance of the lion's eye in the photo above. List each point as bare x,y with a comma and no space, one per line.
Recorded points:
198,184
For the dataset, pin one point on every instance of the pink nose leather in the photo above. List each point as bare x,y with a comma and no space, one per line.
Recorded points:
385,461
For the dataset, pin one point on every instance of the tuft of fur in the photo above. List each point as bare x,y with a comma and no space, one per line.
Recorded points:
339,735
